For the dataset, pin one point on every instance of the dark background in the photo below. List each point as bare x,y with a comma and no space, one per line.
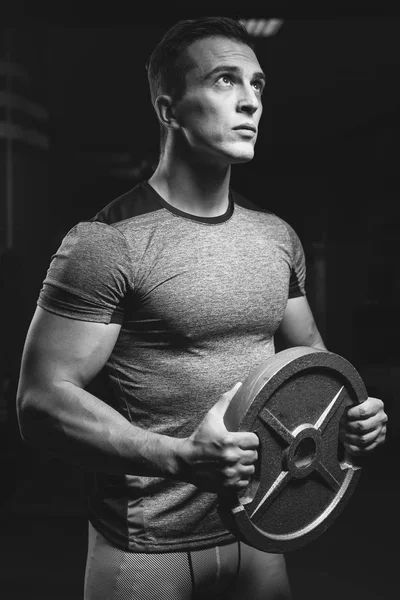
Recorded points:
326,160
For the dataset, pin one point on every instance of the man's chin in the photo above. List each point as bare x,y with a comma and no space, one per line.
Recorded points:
242,158
242,153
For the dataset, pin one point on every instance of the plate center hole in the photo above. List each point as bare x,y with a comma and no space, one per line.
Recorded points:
305,452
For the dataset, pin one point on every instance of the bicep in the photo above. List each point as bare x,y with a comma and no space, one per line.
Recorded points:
61,349
298,327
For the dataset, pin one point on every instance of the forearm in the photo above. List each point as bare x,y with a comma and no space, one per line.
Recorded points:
78,427
287,339
317,341
298,327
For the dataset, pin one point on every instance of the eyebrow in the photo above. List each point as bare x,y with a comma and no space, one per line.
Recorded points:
235,70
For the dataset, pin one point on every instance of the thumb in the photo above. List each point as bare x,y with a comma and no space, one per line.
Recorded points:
222,404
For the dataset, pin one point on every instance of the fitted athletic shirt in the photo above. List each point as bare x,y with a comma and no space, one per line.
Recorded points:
199,300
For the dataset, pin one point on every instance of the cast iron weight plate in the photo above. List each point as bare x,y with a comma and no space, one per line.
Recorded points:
294,402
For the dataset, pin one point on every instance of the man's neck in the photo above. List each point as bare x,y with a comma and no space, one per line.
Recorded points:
199,190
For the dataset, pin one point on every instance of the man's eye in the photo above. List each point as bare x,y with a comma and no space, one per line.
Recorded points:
259,86
225,79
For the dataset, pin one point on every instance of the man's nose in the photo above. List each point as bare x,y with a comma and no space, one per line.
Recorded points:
249,102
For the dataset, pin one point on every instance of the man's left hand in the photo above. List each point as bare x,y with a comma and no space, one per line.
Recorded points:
363,427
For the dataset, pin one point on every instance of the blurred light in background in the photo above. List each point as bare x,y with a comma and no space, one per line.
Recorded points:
262,27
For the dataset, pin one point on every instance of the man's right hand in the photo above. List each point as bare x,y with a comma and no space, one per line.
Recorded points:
215,459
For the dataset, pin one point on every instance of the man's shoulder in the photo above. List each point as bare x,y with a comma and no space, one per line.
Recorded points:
244,202
263,215
257,211
136,202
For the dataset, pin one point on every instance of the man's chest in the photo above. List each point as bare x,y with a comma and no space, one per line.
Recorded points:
198,290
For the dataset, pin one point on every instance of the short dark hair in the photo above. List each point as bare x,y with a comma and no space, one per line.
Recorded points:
169,63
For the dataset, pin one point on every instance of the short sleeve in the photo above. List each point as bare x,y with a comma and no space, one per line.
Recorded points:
89,276
298,265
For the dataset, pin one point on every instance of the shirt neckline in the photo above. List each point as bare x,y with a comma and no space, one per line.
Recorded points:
180,213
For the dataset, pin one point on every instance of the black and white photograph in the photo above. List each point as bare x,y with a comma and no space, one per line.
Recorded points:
200,290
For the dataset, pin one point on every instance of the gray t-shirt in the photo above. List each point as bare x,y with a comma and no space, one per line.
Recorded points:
199,301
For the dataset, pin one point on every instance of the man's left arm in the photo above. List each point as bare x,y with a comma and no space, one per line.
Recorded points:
298,327
364,425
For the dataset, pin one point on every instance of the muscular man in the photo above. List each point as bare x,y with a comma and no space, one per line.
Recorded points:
150,316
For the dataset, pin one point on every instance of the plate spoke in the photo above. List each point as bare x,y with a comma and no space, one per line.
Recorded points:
330,410
271,421
328,477
279,483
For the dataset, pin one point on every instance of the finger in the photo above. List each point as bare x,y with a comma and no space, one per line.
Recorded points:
362,441
365,441
249,457
233,474
246,476
357,451
231,453
246,471
243,483
365,410
362,427
246,440
222,404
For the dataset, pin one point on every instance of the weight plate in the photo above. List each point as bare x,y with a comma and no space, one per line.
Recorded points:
294,402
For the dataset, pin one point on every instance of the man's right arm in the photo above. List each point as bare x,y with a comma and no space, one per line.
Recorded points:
60,358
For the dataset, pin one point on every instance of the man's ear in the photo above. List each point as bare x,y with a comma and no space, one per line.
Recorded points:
164,107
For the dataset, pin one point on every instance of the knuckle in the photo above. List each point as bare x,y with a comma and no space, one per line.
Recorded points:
362,410
382,435
370,448
228,440
242,483
229,456
228,473
251,470
358,427
355,450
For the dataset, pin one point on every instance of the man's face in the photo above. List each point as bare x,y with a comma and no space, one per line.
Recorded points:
221,107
